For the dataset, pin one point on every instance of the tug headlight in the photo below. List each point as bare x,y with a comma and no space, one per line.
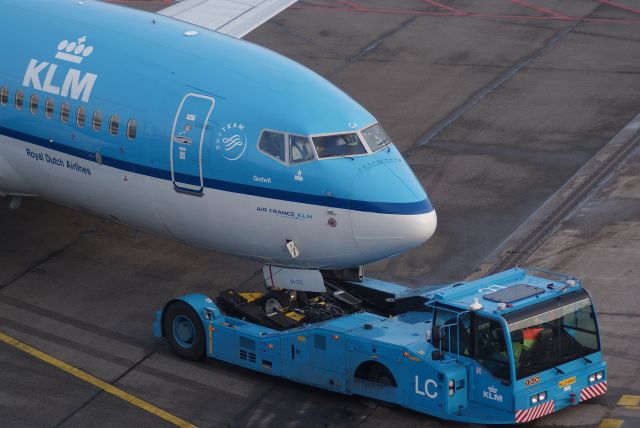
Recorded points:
536,398
594,377
452,387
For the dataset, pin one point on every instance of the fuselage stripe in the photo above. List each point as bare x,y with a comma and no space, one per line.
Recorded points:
400,208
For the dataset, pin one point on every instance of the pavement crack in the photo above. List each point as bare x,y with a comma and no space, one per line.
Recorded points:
253,404
490,88
48,257
99,392
312,42
74,322
371,46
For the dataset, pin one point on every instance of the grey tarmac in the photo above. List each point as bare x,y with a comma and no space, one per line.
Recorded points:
496,106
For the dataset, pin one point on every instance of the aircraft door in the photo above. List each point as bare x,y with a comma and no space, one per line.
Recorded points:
187,137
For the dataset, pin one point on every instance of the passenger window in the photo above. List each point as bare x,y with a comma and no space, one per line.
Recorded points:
114,123
339,145
48,108
132,129
81,117
272,143
4,96
300,149
19,100
33,103
97,120
64,112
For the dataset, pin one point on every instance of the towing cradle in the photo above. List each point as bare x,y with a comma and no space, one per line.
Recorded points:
504,349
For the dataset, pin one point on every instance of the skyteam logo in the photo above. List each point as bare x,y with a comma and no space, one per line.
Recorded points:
41,75
232,141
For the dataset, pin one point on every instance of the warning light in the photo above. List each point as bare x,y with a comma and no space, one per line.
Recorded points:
270,345
406,354
336,337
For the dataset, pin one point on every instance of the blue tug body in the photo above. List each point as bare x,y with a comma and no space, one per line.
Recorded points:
507,348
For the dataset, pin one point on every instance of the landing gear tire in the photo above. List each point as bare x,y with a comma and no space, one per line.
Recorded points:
275,301
184,331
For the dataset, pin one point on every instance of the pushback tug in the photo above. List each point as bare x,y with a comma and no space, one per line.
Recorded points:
508,348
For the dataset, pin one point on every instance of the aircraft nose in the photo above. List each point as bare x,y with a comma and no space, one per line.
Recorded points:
379,236
403,221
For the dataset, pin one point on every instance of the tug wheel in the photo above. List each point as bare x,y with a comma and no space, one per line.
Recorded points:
184,331
381,375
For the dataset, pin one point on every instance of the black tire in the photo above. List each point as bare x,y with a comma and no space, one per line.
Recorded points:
184,332
275,299
381,375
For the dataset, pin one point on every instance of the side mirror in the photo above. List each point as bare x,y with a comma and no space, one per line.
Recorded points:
436,355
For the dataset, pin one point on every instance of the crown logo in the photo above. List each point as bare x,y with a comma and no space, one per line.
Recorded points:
74,52
492,389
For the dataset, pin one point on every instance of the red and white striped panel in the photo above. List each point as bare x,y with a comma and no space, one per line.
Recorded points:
593,391
534,412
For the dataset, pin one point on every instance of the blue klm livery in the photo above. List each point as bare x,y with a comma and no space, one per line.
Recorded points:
199,137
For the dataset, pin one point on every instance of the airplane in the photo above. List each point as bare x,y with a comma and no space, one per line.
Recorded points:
186,131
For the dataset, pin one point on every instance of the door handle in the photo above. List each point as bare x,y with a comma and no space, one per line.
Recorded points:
181,140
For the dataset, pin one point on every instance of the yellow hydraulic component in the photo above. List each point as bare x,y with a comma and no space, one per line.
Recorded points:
250,297
294,315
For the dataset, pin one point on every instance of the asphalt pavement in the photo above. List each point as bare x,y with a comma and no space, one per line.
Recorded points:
496,104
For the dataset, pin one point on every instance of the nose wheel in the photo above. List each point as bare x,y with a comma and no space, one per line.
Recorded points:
274,301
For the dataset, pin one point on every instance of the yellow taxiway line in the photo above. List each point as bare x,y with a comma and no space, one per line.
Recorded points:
98,383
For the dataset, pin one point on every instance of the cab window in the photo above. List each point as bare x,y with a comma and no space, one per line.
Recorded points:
300,149
452,330
273,144
491,348
339,145
553,333
375,137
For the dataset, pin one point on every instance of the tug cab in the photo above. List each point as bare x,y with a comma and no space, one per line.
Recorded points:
528,350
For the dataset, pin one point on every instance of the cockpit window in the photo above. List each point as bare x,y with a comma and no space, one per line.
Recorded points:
339,145
273,144
375,137
300,149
